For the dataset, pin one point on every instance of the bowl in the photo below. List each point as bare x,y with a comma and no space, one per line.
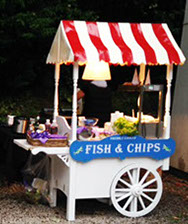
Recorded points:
85,135
90,122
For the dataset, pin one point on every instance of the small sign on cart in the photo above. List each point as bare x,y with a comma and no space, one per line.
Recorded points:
122,147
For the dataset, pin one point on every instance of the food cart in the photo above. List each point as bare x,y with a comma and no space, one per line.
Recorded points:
121,168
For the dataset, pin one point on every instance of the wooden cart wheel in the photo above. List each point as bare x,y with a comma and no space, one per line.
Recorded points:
136,190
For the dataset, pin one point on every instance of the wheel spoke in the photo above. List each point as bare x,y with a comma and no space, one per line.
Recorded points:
134,176
147,197
144,177
150,190
124,182
134,204
149,182
122,189
141,202
128,202
117,195
130,177
123,197
138,175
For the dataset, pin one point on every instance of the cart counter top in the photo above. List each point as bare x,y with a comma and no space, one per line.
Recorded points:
36,149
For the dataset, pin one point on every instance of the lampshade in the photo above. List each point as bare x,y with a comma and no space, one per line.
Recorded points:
97,71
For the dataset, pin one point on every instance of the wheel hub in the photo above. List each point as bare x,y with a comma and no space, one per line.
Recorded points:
136,190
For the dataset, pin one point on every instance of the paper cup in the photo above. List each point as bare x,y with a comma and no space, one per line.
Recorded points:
10,119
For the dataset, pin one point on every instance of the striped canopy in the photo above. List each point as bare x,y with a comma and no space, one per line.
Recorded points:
115,43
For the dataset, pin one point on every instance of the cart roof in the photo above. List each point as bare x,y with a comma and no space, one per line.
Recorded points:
115,43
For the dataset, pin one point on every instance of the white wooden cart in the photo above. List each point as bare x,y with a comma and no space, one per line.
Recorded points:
133,185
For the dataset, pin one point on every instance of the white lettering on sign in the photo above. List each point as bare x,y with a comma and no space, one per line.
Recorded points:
157,147
88,148
130,148
143,147
98,149
138,147
107,148
118,149
94,149
150,146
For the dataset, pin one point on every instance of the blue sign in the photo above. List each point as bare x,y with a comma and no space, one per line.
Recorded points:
119,146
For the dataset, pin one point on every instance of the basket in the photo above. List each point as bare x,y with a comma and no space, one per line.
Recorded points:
49,143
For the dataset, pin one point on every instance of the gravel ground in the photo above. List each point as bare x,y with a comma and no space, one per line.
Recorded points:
172,208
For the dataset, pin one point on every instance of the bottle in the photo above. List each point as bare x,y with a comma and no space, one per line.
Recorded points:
31,125
54,127
48,125
36,124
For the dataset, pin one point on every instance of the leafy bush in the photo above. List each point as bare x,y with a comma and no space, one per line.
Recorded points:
27,106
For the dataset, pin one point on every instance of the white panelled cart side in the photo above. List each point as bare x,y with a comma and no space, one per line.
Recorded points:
120,168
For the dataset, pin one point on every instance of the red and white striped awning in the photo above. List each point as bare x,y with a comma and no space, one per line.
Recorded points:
115,43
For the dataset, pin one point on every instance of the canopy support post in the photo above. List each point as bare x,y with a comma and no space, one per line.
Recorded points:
74,102
142,73
56,95
71,198
167,117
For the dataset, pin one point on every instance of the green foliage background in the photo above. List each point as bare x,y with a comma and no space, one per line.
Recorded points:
27,29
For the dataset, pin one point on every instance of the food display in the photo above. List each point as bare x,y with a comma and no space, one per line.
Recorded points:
124,127
118,125
93,134
46,139
45,135
88,130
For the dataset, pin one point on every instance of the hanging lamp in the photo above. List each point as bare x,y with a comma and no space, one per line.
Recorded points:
97,71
